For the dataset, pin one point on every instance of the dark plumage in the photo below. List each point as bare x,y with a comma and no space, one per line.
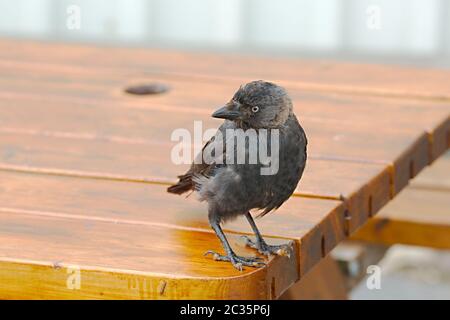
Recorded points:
234,189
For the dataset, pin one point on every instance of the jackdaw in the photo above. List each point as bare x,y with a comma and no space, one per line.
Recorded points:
232,188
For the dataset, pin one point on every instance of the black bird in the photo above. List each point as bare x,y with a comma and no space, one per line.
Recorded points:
232,189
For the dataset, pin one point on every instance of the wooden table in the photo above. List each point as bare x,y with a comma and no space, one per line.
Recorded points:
84,167
419,216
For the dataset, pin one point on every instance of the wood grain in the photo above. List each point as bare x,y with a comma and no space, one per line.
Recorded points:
420,215
199,99
315,225
415,217
436,176
333,135
84,166
324,282
353,182
314,75
329,139
119,261
75,210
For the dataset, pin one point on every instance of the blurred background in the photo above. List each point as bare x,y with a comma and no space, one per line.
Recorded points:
408,32
402,31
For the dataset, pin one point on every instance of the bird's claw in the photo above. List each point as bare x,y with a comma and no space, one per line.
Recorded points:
237,261
268,250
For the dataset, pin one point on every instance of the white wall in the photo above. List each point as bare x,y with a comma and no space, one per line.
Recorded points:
295,23
404,27
25,17
407,26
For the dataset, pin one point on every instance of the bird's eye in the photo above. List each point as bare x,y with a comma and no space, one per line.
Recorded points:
255,109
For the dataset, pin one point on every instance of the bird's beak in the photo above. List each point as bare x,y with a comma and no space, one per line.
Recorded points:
230,112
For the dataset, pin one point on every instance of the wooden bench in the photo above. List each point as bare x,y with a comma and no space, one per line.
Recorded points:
84,167
420,215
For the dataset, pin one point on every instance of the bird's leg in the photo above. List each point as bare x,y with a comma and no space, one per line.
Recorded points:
261,245
230,256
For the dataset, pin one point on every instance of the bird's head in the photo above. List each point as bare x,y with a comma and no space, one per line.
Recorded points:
258,104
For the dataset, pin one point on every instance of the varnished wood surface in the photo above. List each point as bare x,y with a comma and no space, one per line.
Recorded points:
436,176
416,217
357,79
324,282
420,215
333,135
84,166
123,260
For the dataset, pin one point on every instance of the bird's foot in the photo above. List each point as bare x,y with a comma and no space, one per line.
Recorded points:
237,261
268,250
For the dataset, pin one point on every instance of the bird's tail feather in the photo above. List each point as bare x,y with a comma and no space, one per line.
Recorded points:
183,185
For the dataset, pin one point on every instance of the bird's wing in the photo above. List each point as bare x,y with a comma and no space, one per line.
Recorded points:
294,160
199,167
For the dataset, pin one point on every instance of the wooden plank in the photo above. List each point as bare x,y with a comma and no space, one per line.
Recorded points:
315,225
192,95
436,176
317,112
39,254
96,121
420,215
140,126
116,161
339,139
337,136
355,183
324,282
314,75
416,217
